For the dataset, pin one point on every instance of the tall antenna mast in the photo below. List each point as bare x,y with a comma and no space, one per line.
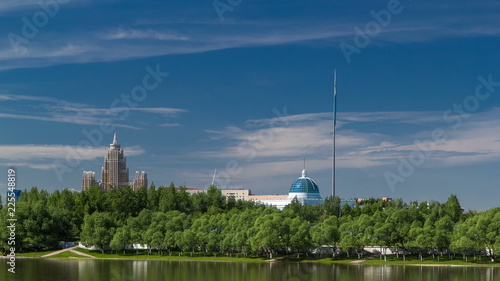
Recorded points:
213,178
334,128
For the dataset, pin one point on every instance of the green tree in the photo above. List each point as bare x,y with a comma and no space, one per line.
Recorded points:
121,239
98,229
155,233
121,203
346,210
5,232
422,236
398,226
463,237
37,226
184,200
480,232
141,199
186,240
327,233
268,234
443,233
168,199
381,232
356,233
200,202
176,222
452,208
215,198
153,197
91,200
332,205
138,226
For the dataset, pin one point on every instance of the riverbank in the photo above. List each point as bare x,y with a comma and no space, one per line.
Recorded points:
410,261
78,253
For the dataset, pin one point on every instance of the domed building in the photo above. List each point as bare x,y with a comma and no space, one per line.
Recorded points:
303,188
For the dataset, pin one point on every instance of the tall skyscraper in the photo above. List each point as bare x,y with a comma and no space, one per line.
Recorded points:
88,180
114,173
141,180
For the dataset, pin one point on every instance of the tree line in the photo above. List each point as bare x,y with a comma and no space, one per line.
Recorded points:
169,220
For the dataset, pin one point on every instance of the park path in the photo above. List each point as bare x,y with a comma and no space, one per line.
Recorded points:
72,249
280,258
361,260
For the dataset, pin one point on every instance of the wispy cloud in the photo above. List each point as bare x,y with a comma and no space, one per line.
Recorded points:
263,148
41,157
131,33
170,125
12,4
143,37
32,151
61,111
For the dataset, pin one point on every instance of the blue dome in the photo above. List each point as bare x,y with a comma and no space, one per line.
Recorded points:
304,185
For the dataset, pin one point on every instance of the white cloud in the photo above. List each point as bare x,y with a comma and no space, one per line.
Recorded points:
6,5
160,110
30,165
262,150
170,125
56,110
10,4
60,152
44,157
137,39
130,33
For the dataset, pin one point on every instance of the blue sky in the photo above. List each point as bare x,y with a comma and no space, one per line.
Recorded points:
249,93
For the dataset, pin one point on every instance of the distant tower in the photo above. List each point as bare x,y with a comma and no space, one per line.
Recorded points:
141,180
115,171
88,180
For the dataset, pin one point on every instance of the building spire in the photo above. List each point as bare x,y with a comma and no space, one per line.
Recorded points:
115,139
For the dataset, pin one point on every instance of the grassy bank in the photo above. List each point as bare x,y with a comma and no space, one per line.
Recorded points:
32,254
410,260
142,255
429,260
198,256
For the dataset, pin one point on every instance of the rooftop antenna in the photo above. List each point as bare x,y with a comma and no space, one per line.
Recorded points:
334,128
213,178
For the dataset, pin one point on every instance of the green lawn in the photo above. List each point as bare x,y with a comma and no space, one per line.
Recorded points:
444,260
330,260
175,256
33,254
198,256
68,254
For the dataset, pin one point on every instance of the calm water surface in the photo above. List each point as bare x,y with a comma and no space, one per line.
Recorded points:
97,270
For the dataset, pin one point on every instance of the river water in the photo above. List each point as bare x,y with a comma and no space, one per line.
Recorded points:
109,270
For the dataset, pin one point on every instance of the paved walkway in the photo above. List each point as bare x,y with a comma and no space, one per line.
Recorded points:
72,249
280,258
362,260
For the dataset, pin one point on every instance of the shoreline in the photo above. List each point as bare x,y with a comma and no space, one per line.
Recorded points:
326,261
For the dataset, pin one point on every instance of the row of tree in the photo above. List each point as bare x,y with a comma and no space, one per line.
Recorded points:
167,220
